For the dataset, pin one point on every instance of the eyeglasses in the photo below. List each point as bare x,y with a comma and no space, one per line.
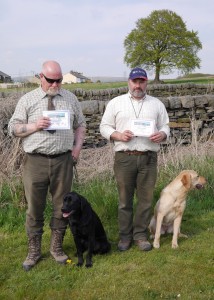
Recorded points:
51,81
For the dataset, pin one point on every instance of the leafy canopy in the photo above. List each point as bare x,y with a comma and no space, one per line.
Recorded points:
161,42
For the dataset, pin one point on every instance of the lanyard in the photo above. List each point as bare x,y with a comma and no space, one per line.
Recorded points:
137,115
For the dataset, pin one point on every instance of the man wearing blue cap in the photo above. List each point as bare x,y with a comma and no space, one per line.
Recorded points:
136,123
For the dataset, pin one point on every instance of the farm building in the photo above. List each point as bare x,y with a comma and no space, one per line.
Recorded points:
5,78
74,77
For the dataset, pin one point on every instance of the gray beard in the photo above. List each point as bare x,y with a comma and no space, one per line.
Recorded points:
138,94
52,91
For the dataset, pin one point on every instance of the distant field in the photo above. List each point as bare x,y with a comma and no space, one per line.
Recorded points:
102,85
191,78
95,85
199,80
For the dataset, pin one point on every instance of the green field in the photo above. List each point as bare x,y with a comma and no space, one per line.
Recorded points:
165,273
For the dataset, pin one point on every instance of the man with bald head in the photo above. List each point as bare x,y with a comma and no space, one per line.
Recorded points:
50,156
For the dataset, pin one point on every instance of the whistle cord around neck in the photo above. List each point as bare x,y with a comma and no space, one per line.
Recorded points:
137,115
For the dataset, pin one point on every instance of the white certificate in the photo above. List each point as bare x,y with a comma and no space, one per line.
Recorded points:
142,127
60,119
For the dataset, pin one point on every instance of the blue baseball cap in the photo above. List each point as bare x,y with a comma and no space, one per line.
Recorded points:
138,73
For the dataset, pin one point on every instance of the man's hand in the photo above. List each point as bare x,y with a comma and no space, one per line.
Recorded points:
43,123
158,137
124,136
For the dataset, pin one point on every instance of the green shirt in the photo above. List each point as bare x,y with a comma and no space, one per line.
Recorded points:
31,106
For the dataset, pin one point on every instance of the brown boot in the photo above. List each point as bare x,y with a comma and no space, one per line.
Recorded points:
34,251
56,246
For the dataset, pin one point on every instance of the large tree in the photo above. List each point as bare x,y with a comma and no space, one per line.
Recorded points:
162,43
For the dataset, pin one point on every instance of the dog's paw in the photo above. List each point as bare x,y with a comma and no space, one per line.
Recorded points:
79,264
80,261
174,245
156,244
88,265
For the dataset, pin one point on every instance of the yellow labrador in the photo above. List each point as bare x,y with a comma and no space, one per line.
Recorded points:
170,207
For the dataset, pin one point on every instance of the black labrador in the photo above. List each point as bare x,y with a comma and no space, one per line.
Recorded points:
86,227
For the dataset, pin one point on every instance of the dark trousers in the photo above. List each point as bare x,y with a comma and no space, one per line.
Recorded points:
135,173
40,175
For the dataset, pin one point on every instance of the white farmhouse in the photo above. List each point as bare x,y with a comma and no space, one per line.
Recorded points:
74,77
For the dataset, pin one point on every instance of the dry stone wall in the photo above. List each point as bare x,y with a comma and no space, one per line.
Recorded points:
190,108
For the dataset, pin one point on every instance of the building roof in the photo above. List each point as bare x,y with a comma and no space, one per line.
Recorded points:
3,74
78,75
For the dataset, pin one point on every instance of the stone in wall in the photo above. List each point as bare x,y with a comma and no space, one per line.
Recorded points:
179,125
174,102
165,101
102,106
187,101
200,101
210,99
90,107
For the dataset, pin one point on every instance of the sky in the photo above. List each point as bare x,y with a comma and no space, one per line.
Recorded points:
88,36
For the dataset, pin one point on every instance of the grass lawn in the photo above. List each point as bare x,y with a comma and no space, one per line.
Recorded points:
184,273
165,273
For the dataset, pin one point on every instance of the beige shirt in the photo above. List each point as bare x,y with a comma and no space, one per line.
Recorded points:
31,106
122,109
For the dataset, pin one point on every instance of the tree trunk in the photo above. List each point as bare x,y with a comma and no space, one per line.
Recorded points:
157,74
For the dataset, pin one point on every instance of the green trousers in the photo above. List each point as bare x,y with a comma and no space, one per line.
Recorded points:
135,173
40,175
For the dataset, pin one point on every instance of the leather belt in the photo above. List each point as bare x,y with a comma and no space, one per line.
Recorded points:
50,155
134,152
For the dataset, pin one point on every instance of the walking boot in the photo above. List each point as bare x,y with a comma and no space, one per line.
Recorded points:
56,250
34,251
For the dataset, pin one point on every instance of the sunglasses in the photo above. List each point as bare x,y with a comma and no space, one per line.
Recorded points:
51,81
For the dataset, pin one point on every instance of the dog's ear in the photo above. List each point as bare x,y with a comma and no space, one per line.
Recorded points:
86,209
85,205
186,180
83,202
